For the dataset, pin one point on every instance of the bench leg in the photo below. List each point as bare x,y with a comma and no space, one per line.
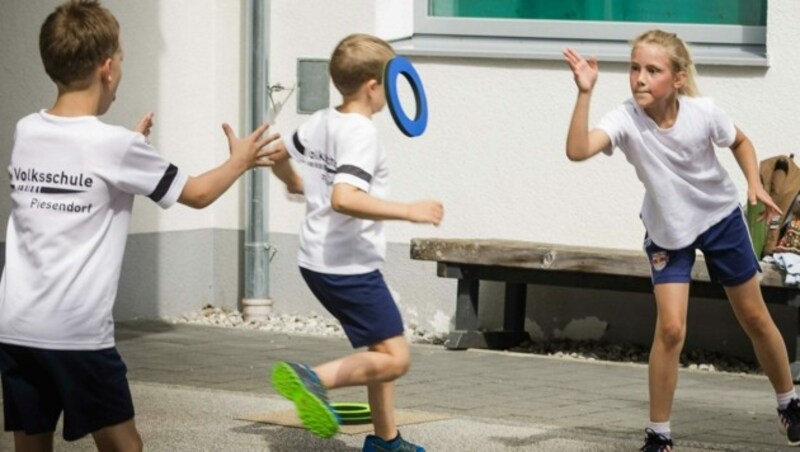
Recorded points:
466,333
466,324
514,313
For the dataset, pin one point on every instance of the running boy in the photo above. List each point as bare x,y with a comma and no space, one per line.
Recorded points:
73,181
668,134
342,245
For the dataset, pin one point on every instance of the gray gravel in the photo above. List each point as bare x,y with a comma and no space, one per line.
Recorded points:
318,325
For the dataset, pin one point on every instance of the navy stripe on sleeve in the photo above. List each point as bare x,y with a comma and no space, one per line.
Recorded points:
298,145
164,183
355,171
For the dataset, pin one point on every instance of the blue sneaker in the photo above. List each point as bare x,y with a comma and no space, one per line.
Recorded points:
298,383
376,444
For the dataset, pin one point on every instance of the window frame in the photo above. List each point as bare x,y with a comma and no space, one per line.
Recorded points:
736,45
580,29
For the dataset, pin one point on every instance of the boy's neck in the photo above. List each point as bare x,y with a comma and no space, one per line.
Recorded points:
354,105
74,103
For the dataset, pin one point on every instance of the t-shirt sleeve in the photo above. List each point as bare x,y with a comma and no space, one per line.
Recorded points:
723,132
613,124
356,157
144,172
296,145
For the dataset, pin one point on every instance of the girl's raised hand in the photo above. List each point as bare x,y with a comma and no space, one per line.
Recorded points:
585,71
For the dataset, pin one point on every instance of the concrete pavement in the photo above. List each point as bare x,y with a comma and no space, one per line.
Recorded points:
190,382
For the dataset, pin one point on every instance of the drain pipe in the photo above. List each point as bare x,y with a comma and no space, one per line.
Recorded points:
256,304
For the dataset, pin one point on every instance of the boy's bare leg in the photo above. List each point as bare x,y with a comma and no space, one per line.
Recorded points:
42,442
122,437
672,301
383,362
751,312
381,404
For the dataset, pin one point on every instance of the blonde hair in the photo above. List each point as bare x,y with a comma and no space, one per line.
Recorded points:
357,59
679,56
75,39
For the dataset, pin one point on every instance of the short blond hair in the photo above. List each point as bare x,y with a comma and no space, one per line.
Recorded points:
357,59
75,39
679,56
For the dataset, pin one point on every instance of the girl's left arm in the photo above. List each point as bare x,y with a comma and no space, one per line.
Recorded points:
745,154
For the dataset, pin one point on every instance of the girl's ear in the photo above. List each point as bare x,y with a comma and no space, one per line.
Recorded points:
679,81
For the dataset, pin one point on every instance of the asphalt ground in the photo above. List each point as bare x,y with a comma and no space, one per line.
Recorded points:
190,383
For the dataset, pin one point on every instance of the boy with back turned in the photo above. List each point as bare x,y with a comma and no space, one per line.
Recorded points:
73,181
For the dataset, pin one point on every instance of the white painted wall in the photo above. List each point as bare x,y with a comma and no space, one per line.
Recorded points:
493,151
183,60
494,148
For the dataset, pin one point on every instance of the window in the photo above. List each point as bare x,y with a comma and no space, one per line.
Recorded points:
720,31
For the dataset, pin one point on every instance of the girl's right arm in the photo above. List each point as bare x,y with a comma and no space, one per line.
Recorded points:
582,143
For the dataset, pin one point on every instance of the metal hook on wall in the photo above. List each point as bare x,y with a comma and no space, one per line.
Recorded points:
277,106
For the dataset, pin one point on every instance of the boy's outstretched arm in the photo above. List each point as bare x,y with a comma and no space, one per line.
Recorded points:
581,143
284,172
745,154
350,200
246,153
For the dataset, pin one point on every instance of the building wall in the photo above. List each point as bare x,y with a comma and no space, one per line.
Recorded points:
183,60
494,154
493,151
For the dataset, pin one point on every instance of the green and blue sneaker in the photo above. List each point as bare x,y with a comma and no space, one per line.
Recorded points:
298,383
376,444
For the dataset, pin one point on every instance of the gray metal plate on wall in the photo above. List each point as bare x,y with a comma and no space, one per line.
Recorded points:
313,90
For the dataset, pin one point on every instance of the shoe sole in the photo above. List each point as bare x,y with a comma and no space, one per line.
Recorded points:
312,411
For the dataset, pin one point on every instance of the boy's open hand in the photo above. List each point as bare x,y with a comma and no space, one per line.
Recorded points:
145,124
585,71
251,151
427,211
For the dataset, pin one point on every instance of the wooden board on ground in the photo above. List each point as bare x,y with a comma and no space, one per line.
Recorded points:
288,418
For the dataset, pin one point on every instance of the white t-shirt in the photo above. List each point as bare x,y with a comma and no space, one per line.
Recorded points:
73,181
687,189
339,148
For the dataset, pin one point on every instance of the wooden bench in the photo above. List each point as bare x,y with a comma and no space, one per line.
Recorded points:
518,263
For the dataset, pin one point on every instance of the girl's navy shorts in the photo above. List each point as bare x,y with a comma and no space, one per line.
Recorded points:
362,303
726,246
88,386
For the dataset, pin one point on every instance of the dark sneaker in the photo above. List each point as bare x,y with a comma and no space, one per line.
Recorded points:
656,442
298,383
376,444
790,422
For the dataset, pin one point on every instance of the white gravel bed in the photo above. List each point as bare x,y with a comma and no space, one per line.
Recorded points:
312,324
318,325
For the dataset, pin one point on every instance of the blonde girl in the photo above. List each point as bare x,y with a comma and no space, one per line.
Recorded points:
669,134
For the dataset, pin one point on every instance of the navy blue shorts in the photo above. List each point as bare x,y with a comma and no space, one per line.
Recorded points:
361,303
89,386
727,248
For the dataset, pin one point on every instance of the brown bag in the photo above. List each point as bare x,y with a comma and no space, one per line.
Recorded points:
781,179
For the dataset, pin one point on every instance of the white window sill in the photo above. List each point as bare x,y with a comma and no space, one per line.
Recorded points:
545,49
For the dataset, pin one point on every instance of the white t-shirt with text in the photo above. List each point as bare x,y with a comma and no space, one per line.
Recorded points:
73,181
339,148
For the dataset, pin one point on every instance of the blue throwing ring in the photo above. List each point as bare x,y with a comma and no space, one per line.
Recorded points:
395,67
